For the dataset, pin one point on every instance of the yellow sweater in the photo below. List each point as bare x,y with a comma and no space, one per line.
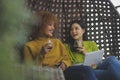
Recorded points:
57,54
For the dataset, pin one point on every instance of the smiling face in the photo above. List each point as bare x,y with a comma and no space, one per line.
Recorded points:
76,31
46,24
49,30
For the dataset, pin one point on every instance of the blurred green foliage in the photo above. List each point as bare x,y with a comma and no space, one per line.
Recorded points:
13,17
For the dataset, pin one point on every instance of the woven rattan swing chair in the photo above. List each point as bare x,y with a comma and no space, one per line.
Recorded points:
102,20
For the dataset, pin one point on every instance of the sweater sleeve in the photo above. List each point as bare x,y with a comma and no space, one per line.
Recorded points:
94,46
28,57
65,55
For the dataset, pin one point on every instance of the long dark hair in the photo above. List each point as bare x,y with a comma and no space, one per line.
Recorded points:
70,40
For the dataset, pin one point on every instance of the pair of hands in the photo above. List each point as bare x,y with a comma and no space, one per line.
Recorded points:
46,48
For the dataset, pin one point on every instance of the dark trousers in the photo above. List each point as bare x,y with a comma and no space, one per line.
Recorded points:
79,72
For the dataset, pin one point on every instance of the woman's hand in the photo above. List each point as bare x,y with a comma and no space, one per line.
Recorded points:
45,48
93,66
61,65
82,49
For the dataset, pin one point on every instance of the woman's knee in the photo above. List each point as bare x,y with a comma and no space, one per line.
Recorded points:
111,59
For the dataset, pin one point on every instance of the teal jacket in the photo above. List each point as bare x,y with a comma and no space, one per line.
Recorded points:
77,57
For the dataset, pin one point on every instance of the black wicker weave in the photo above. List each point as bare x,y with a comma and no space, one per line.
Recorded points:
101,18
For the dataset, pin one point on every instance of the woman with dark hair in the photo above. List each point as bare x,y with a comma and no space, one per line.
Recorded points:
78,47
77,51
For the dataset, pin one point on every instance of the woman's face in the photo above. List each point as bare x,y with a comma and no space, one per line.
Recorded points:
49,29
76,31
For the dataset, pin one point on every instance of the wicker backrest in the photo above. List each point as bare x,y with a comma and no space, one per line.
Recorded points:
102,20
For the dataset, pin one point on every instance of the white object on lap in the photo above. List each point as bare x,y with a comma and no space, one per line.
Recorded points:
93,58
